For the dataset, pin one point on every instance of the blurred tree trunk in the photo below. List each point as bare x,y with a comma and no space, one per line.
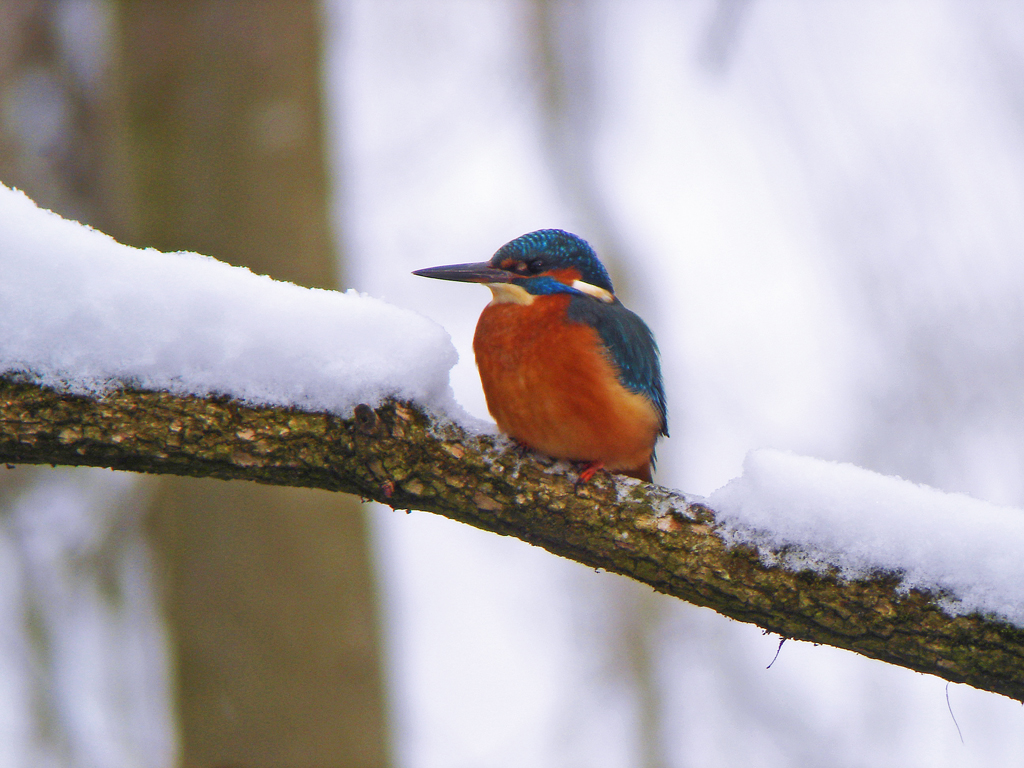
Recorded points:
57,114
79,614
269,590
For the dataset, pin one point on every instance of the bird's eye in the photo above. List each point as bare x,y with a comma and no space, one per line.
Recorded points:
535,266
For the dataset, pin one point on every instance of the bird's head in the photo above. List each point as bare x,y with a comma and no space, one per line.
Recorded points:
541,263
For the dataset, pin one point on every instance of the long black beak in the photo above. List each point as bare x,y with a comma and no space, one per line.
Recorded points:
481,272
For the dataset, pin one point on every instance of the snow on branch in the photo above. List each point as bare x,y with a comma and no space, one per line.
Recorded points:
398,455
112,356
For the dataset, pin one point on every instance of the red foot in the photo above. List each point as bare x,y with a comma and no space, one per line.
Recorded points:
521,448
589,471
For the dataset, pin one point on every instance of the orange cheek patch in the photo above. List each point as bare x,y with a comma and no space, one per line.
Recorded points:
567,275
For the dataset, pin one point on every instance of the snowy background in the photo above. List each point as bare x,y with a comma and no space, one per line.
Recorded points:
816,207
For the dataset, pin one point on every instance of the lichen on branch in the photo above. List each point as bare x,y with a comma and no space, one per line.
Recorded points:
398,455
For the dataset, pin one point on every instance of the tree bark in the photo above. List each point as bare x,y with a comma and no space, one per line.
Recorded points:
400,456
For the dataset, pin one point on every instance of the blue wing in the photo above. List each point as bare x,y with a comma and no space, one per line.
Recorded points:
631,345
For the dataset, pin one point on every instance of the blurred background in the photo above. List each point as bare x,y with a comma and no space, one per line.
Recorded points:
818,208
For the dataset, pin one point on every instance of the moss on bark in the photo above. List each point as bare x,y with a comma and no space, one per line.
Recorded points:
398,455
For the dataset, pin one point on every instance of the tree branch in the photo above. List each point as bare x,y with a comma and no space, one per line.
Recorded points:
402,457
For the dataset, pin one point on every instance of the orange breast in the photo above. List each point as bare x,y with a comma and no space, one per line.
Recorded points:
550,385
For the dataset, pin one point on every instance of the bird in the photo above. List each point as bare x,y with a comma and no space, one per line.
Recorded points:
566,369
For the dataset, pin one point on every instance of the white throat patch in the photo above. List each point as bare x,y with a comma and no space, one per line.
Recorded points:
507,293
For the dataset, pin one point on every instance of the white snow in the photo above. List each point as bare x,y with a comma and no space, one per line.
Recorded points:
810,513
82,312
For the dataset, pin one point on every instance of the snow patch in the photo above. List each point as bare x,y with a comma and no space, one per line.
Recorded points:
81,312
806,513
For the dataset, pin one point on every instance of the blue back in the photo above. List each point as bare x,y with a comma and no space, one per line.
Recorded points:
631,345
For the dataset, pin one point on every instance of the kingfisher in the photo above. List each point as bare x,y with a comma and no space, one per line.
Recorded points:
566,369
